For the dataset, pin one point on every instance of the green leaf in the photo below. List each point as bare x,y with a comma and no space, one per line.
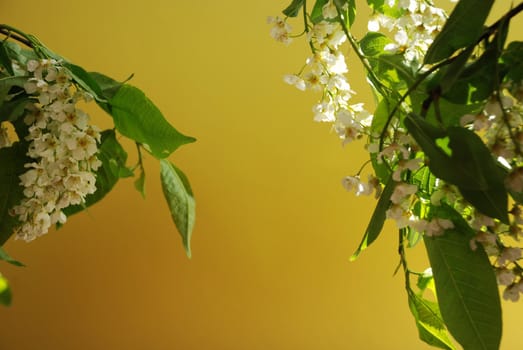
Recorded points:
7,83
348,13
431,327
451,113
512,59
5,292
13,109
476,82
113,158
317,11
377,220
5,60
373,44
466,286
13,160
5,257
461,29
180,199
470,166
379,120
382,7
392,71
85,80
294,8
109,87
139,183
136,117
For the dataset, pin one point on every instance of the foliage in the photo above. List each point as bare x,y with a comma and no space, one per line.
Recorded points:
53,162
445,145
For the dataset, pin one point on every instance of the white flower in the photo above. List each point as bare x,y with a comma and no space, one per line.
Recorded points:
329,10
63,147
280,30
353,183
505,276
438,226
402,191
508,255
411,164
398,213
514,180
511,293
293,79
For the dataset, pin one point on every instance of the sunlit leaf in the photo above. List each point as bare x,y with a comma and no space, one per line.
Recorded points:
429,322
5,292
377,220
466,286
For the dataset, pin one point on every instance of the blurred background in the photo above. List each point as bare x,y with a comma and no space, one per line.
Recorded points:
274,229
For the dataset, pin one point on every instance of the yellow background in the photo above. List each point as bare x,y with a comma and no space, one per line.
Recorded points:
274,227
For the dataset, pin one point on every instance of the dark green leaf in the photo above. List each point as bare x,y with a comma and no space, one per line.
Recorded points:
470,165
13,160
113,158
5,257
180,199
476,82
11,110
294,8
5,60
136,117
466,286
461,29
7,83
377,220
5,292
85,80
512,59
451,113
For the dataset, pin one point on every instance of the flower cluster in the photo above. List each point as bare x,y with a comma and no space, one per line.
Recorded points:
62,145
324,71
414,25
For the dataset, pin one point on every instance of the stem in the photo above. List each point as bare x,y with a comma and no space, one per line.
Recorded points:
372,76
18,35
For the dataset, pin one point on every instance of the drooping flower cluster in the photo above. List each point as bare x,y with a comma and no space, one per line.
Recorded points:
62,145
324,72
414,205
414,25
